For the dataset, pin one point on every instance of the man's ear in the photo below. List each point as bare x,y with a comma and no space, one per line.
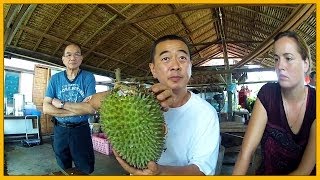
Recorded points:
154,74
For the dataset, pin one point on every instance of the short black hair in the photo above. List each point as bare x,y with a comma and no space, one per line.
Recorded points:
165,38
312,74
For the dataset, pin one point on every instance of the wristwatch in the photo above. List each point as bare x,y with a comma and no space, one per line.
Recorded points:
62,104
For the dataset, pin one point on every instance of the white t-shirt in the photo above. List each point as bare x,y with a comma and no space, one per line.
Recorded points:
193,136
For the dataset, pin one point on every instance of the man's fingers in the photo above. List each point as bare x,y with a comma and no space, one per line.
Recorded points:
124,164
115,153
164,95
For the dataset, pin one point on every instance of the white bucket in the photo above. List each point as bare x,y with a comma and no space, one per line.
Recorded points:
18,104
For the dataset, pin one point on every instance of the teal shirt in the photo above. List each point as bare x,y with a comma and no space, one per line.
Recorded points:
62,88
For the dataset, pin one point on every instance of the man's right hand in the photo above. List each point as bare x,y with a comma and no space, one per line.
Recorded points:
164,95
96,99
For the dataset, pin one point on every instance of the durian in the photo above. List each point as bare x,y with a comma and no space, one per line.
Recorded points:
133,121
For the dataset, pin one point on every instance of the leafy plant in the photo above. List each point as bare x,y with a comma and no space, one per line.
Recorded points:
250,103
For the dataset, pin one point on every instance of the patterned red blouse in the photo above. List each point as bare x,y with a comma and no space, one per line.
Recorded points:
281,149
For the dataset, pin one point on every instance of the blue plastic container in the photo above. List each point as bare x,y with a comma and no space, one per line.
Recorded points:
36,112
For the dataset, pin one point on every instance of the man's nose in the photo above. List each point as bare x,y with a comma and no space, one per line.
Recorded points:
175,64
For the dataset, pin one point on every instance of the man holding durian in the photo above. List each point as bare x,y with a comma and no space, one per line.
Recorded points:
191,141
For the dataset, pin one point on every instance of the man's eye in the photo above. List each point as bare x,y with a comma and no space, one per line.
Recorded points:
183,58
165,59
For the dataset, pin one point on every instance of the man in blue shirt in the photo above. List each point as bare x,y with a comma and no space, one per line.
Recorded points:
64,99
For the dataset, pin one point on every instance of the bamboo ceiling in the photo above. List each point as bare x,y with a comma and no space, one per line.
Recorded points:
120,35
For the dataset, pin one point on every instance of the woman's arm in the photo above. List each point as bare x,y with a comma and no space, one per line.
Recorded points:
309,156
253,135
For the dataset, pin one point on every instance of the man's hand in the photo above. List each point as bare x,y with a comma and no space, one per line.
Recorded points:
96,99
164,95
56,103
152,167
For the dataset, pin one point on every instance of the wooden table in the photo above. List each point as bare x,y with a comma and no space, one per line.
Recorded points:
232,127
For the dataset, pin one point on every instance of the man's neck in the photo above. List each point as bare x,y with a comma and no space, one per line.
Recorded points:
72,73
181,98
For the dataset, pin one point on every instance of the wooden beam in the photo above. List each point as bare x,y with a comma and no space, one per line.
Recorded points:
250,25
116,28
228,42
176,11
13,10
19,33
25,9
75,27
301,13
105,24
259,13
200,71
49,26
53,38
200,61
135,25
242,16
50,60
180,19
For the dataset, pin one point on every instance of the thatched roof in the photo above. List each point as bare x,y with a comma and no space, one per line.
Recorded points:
120,35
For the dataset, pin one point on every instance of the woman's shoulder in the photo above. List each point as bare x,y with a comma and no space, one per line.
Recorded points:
269,88
273,85
312,90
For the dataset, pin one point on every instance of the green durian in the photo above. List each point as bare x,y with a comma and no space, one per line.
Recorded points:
133,121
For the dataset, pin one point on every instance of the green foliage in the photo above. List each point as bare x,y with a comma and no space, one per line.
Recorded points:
133,121
250,103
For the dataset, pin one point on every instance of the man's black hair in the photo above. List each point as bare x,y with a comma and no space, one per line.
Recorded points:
165,38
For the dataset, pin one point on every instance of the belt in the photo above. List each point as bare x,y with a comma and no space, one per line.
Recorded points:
71,125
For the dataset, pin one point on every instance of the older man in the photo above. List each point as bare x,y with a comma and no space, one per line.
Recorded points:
64,100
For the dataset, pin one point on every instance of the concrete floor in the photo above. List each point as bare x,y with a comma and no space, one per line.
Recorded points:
40,160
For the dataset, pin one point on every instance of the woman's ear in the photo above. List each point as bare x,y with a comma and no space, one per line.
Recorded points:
306,65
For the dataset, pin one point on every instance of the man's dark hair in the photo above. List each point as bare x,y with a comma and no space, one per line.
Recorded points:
165,38
312,74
